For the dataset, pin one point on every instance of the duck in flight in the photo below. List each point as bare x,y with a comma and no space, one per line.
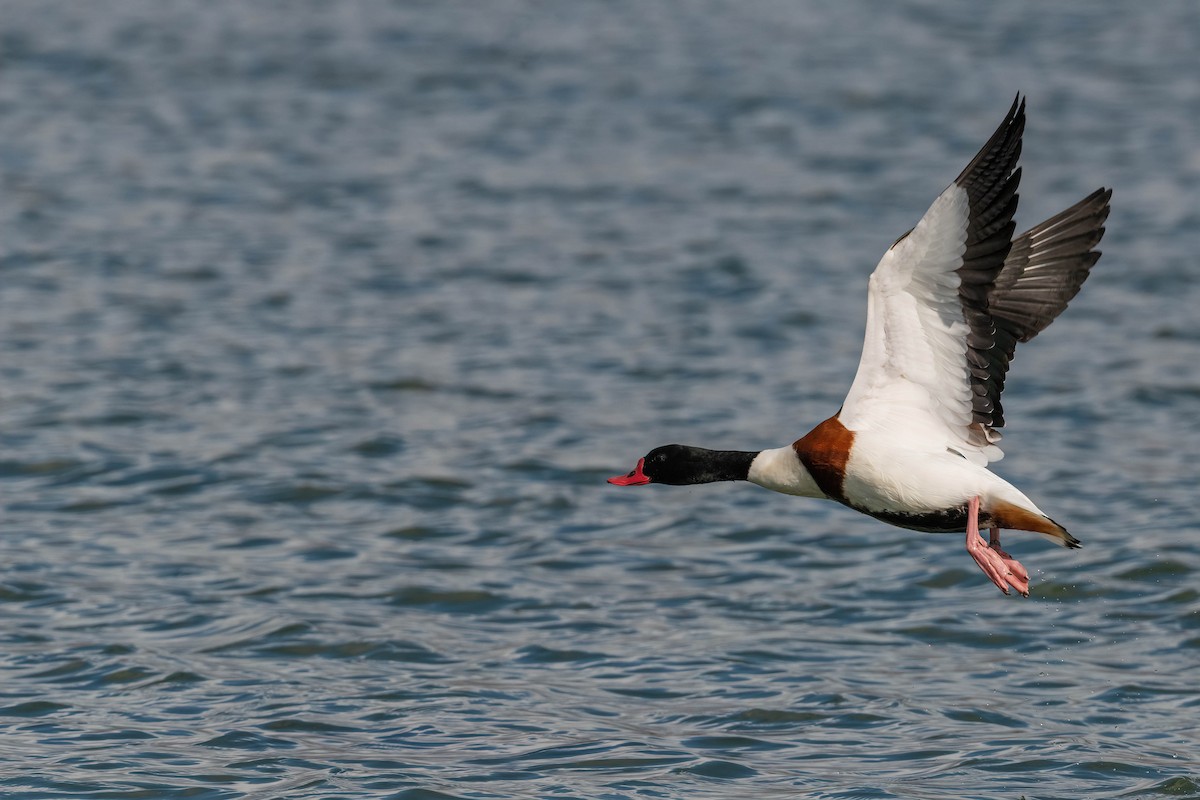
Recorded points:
946,307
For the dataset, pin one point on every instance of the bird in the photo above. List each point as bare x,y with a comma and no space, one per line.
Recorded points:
946,307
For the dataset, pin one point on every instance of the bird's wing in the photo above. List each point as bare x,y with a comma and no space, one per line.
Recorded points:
1045,268
925,373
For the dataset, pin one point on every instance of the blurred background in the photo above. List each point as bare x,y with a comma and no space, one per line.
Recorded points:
321,325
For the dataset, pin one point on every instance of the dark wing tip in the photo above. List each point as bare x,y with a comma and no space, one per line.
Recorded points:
996,159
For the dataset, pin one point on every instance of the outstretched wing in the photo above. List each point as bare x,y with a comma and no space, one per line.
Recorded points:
925,370
951,299
1045,268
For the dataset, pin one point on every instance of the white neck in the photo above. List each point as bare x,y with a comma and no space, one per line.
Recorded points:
780,470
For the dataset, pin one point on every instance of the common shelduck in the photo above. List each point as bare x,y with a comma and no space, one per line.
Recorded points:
946,307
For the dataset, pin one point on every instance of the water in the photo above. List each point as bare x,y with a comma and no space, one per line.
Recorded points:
322,324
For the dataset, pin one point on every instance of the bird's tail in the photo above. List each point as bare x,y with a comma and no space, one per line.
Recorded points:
1014,517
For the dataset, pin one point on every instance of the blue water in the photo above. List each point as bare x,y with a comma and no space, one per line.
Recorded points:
321,325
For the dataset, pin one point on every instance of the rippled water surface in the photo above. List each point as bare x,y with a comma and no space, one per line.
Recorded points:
321,325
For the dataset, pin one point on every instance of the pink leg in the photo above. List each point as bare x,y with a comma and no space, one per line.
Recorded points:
1001,568
1021,584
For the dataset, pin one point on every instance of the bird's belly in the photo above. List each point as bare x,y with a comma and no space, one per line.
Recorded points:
912,489
948,520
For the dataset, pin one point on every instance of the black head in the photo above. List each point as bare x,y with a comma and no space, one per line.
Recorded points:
680,464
